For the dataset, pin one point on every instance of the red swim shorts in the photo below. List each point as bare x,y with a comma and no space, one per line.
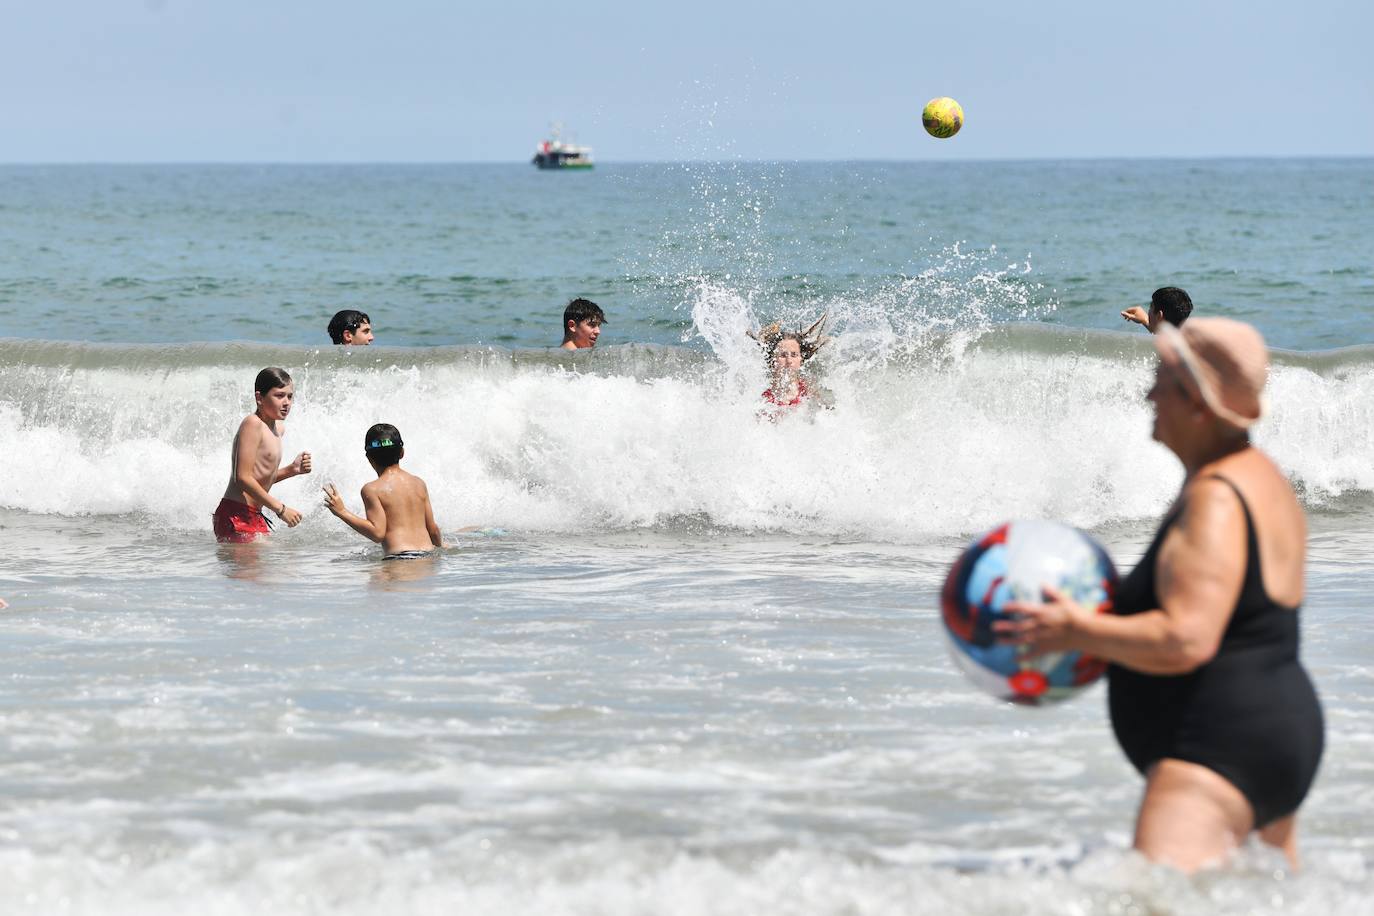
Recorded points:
237,523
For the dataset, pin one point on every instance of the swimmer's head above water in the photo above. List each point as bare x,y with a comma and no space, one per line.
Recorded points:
383,446
269,378
351,327
582,321
273,391
782,348
1169,304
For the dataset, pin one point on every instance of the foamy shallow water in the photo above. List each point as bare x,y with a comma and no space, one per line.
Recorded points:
664,721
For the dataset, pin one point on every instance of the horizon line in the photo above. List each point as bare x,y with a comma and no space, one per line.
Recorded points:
703,161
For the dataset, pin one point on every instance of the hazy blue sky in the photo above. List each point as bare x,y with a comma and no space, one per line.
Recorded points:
424,80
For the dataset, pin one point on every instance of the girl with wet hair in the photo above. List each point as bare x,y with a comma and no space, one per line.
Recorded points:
784,353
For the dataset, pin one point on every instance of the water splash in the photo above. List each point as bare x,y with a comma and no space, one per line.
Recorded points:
1025,421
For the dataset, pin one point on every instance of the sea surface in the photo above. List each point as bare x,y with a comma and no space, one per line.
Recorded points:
691,661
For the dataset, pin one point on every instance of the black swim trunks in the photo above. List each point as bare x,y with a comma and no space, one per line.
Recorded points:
409,555
1250,714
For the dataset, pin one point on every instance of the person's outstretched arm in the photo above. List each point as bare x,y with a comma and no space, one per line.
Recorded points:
373,527
1139,316
1200,568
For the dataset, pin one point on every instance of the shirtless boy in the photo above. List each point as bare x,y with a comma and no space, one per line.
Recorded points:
399,516
255,464
582,321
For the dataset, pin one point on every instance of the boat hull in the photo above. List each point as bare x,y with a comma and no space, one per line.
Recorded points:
561,163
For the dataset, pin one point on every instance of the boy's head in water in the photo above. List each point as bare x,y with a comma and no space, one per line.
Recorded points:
1168,305
1171,304
351,327
383,446
582,321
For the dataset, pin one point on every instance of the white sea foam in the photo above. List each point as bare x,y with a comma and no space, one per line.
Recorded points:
945,420
362,873
945,438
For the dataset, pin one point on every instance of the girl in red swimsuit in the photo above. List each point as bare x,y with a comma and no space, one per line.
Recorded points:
786,351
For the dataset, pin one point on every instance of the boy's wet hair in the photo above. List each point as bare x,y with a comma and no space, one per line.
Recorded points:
580,310
383,444
1173,303
346,320
270,378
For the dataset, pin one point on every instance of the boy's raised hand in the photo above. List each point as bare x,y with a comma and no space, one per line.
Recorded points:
301,465
1137,314
332,500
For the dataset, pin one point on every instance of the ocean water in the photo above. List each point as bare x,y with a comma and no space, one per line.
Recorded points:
692,662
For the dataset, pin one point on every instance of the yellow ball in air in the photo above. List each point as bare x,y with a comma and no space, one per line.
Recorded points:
942,117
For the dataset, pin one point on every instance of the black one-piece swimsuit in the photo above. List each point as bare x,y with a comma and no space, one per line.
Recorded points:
1250,714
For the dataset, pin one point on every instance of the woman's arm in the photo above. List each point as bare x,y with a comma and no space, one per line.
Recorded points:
1199,573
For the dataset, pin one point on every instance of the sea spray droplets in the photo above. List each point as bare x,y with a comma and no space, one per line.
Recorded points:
723,317
935,314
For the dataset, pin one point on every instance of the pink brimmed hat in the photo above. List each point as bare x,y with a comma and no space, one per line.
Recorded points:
1223,363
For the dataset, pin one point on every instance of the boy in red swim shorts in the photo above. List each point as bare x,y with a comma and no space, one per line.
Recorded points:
255,461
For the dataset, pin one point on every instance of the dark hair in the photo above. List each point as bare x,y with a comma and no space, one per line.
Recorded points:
1173,303
270,378
347,320
809,340
580,310
807,346
383,444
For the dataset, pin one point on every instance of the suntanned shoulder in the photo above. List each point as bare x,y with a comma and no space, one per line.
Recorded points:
255,422
1209,490
1212,512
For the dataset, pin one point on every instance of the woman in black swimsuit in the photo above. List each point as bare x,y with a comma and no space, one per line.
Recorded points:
1207,696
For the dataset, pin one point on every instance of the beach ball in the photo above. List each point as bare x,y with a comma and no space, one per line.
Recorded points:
1013,562
942,117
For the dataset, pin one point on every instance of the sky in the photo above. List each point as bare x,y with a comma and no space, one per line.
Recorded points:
481,81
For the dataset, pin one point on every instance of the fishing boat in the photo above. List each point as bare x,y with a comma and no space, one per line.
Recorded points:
553,153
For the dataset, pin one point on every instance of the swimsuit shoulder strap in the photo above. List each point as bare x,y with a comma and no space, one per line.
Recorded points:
1254,580
1244,506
